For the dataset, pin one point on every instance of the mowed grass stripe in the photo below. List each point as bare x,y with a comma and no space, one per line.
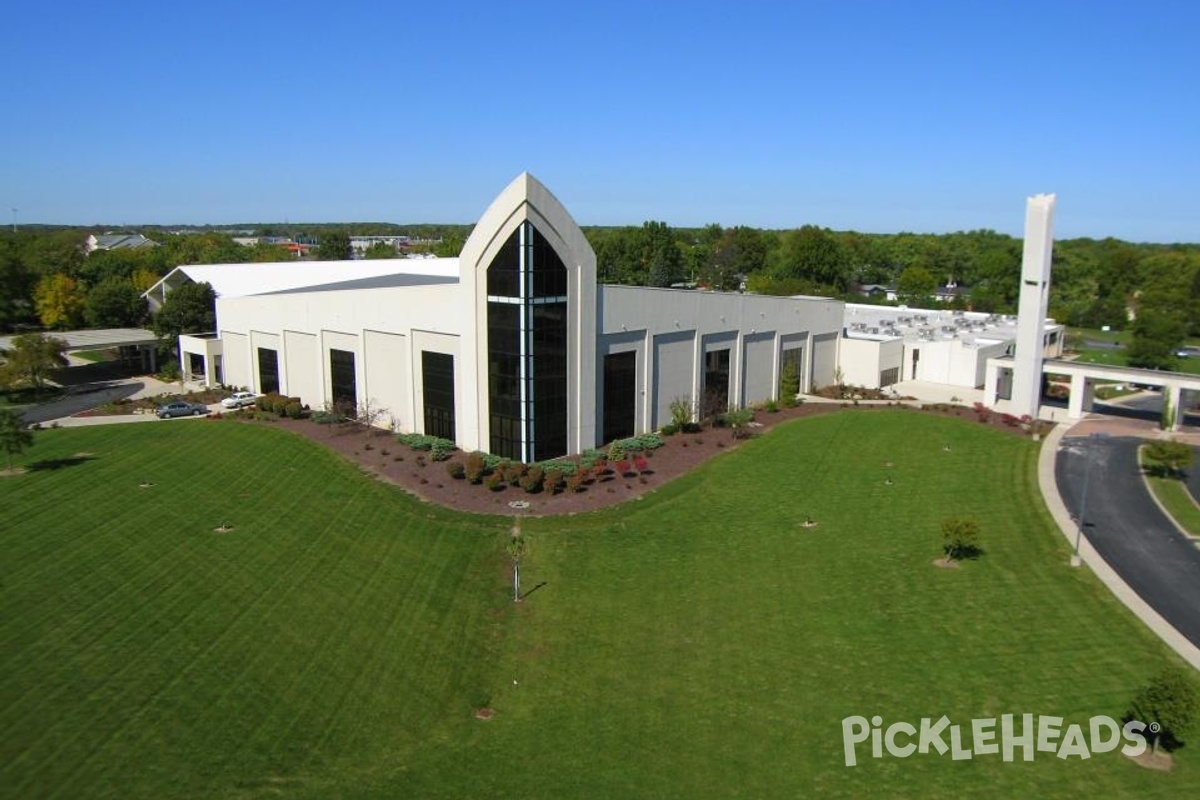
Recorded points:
158,655
365,512
697,643
684,642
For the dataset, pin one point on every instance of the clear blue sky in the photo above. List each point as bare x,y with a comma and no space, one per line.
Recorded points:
875,116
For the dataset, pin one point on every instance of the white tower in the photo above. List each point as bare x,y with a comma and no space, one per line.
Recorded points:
1034,298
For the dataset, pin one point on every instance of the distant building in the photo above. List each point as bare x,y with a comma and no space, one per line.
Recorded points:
118,241
360,244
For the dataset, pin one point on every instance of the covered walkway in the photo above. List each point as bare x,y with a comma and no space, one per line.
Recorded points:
1083,383
137,345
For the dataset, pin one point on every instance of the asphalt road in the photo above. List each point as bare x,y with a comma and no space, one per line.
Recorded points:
81,399
1125,525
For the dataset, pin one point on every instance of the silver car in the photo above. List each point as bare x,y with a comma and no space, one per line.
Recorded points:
181,409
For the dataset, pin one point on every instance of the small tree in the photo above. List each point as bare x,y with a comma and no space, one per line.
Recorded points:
31,356
1167,458
368,414
516,548
960,537
1171,700
14,436
789,385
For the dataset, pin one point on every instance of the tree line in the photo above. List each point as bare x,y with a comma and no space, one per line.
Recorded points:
46,279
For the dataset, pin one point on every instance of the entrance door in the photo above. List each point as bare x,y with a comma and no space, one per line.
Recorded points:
620,395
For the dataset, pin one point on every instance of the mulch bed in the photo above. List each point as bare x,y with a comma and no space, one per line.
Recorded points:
379,453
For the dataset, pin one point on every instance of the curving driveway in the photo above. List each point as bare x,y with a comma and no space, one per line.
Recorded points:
1127,528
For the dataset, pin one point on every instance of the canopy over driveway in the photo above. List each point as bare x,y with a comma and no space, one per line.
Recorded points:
142,340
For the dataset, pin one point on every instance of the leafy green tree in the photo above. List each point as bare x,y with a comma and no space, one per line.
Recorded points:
114,303
660,257
31,357
741,251
189,309
57,252
1170,700
14,436
960,537
450,245
143,278
16,285
263,253
916,286
380,250
335,246
59,301
812,254
1158,331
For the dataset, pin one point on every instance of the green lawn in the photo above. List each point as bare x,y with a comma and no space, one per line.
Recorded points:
1177,500
1117,358
96,355
698,643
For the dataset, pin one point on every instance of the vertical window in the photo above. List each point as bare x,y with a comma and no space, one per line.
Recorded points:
437,382
527,348
268,370
343,384
889,376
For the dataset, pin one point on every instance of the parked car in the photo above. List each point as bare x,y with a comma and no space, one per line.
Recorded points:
239,400
181,409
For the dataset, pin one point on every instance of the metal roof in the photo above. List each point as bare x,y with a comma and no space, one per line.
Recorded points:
100,339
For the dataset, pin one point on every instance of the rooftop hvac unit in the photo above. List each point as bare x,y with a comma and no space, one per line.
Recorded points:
873,330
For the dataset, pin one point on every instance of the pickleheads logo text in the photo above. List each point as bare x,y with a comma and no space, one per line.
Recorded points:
982,737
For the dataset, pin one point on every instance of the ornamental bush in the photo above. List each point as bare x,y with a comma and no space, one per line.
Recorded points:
475,468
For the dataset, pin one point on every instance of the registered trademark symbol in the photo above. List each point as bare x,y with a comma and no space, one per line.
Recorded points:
1155,727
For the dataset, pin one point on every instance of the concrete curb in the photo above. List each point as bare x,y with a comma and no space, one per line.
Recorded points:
1101,568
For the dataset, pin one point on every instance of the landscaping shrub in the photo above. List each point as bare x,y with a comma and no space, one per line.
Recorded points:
456,470
441,450
552,481
670,429
575,482
512,472
737,420
421,441
563,467
475,468
531,479
494,481
292,409
771,407
641,464
683,411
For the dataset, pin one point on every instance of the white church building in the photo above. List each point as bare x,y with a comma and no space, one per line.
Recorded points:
511,348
